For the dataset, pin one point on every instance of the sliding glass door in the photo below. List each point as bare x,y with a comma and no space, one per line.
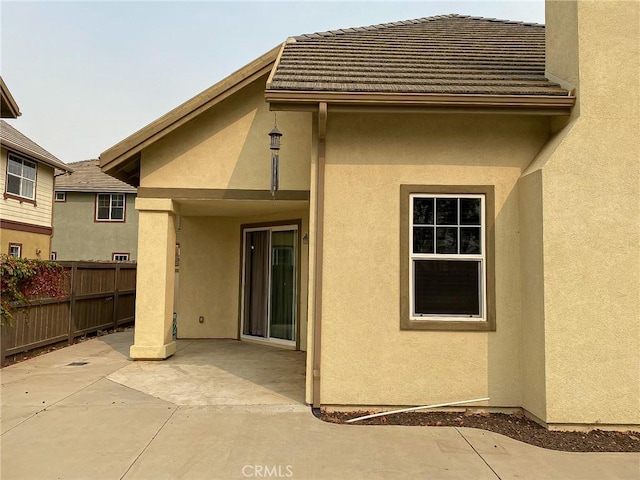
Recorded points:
269,283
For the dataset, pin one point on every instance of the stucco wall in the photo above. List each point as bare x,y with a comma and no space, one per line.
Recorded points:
590,186
210,274
31,243
366,359
533,379
38,214
227,147
77,236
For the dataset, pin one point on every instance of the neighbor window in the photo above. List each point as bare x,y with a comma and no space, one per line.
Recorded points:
120,257
21,177
110,207
15,250
445,257
61,196
54,255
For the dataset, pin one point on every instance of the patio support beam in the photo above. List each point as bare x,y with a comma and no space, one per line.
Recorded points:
155,280
317,316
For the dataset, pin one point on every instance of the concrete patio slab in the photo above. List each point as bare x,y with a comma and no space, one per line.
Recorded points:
221,372
252,424
80,442
105,392
233,444
509,458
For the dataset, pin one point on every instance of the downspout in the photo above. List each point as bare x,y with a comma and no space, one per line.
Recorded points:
317,323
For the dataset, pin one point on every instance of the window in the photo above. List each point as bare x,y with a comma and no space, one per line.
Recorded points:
54,256
120,257
110,207
61,196
446,256
21,177
15,250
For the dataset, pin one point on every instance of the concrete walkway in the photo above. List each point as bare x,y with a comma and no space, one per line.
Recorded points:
116,419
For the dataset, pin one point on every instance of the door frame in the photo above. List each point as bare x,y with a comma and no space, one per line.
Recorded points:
297,223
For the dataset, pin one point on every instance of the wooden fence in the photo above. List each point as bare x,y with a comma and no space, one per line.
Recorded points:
101,296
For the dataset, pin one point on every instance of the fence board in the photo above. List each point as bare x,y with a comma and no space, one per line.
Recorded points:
101,296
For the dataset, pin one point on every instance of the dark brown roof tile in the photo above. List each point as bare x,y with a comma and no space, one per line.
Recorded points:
444,54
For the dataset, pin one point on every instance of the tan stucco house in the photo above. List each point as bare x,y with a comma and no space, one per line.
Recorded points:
94,216
457,214
26,176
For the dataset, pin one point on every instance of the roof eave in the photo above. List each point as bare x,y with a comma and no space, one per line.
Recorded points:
88,189
35,156
309,100
128,148
8,106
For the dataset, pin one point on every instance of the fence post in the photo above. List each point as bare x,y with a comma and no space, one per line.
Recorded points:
116,295
72,303
3,345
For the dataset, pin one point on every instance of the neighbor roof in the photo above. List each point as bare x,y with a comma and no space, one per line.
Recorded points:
87,177
14,140
8,106
449,54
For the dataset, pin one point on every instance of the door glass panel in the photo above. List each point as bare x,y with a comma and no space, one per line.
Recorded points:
283,276
256,299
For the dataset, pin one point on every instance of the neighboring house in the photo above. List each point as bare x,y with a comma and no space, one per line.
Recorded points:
457,214
26,175
8,106
94,216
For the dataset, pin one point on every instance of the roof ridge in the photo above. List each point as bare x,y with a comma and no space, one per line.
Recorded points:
416,21
83,161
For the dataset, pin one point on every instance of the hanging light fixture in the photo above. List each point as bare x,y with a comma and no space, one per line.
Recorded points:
275,161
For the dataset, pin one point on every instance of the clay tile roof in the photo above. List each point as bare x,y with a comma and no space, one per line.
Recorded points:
87,177
446,54
14,140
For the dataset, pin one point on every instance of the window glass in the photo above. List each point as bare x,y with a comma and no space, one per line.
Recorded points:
447,211
423,211
28,188
29,170
13,184
470,211
470,242
423,239
445,287
117,213
446,240
444,283
110,207
15,167
21,177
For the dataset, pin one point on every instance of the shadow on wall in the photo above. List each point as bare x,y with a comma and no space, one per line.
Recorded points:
504,356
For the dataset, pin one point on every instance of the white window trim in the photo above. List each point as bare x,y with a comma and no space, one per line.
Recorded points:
21,160
63,196
126,256
18,246
111,195
481,258
54,256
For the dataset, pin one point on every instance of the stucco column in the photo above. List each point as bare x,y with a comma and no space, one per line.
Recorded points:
155,280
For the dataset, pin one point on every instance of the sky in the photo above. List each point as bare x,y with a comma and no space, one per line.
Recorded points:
87,74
